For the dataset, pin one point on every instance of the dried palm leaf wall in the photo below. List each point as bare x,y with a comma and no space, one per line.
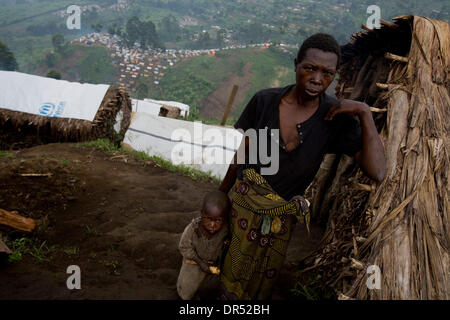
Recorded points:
18,129
401,225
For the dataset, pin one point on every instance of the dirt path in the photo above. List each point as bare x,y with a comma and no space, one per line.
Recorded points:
120,222
214,105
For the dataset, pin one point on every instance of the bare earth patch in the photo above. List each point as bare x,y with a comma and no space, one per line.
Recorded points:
214,105
117,218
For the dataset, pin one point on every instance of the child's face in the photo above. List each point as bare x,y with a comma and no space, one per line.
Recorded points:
212,219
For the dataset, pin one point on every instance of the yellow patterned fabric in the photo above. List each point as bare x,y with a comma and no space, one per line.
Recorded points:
261,225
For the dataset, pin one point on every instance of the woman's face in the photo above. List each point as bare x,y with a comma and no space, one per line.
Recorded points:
315,72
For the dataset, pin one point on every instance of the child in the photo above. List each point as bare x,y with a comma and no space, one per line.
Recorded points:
201,244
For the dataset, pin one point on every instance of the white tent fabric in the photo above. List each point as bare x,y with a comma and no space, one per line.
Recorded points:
147,107
183,107
50,97
207,148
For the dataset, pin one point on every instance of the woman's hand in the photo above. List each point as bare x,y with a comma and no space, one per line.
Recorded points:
304,204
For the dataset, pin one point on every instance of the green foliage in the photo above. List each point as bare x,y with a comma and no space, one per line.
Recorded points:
6,154
102,144
7,60
142,90
96,66
58,42
65,161
113,267
92,231
97,27
51,59
54,74
188,87
193,80
142,31
169,28
23,246
71,250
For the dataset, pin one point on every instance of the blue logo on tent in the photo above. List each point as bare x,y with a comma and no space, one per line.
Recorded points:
47,109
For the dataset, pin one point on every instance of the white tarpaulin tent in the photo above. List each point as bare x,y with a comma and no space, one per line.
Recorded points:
203,147
49,97
147,107
184,108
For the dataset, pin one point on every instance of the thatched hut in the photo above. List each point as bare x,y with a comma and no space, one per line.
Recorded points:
401,225
169,112
21,129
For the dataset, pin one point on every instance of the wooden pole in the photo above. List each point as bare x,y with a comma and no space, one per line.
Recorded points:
230,103
383,86
16,221
388,24
395,57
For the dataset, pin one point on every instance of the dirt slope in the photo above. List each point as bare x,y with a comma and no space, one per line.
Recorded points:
215,104
120,222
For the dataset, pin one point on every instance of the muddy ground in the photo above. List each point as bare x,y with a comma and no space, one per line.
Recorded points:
117,218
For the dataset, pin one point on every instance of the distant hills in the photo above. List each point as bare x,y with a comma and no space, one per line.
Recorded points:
28,28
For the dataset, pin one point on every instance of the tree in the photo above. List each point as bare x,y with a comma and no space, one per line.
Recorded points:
149,35
58,42
132,30
169,28
142,31
113,29
50,59
7,60
97,27
54,74
142,91
220,36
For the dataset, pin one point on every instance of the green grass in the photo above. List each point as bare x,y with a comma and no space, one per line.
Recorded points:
265,70
92,231
6,154
96,66
192,80
102,144
112,266
106,145
71,250
26,246
65,161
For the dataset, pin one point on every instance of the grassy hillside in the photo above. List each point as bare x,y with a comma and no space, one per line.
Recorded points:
193,80
27,26
83,64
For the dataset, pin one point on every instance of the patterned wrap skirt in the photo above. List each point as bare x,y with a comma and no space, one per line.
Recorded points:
261,226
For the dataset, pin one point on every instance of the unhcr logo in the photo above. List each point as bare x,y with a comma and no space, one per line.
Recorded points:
47,109
50,110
